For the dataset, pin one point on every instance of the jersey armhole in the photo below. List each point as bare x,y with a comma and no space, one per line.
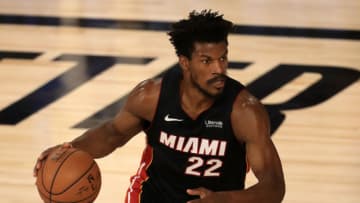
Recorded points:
148,124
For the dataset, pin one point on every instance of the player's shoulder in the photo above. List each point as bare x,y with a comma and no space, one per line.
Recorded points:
142,100
248,106
246,100
249,117
147,88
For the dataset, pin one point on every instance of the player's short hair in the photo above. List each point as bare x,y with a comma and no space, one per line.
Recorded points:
204,26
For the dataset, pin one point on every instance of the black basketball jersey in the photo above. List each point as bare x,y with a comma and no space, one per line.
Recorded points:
183,153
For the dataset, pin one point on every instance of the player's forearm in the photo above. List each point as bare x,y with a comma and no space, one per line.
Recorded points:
99,141
266,191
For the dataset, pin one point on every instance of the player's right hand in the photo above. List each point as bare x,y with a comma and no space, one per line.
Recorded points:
45,154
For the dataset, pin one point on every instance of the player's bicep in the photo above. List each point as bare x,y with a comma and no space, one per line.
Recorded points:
125,125
252,126
263,158
138,107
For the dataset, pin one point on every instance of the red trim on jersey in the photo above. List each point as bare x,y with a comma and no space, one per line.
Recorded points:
136,181
247,165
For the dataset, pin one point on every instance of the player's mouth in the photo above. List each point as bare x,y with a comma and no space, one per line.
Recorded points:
218,82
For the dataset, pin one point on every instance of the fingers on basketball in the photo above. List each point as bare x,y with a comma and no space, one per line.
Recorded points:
68,175
44,155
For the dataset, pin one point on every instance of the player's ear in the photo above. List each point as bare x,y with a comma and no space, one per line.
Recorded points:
184,63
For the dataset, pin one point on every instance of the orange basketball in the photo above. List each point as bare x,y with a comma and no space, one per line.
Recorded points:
69,175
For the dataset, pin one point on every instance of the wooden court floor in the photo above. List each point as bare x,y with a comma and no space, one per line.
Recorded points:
66,65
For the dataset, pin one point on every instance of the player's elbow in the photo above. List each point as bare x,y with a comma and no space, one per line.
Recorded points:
279,190
274,189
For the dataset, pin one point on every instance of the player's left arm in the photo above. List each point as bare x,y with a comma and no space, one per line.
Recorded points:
250,123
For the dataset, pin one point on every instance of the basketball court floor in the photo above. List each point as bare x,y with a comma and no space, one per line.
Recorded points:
66,66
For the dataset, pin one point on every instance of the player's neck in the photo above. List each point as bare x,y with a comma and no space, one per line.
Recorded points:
193,101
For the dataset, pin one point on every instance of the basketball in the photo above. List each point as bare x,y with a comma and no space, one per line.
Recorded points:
68,175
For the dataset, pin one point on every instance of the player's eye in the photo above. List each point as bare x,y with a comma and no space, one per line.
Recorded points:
205,61
224,58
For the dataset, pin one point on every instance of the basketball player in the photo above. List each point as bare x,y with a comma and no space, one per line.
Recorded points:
204,130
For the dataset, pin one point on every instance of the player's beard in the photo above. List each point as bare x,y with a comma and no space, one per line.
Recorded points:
212,80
